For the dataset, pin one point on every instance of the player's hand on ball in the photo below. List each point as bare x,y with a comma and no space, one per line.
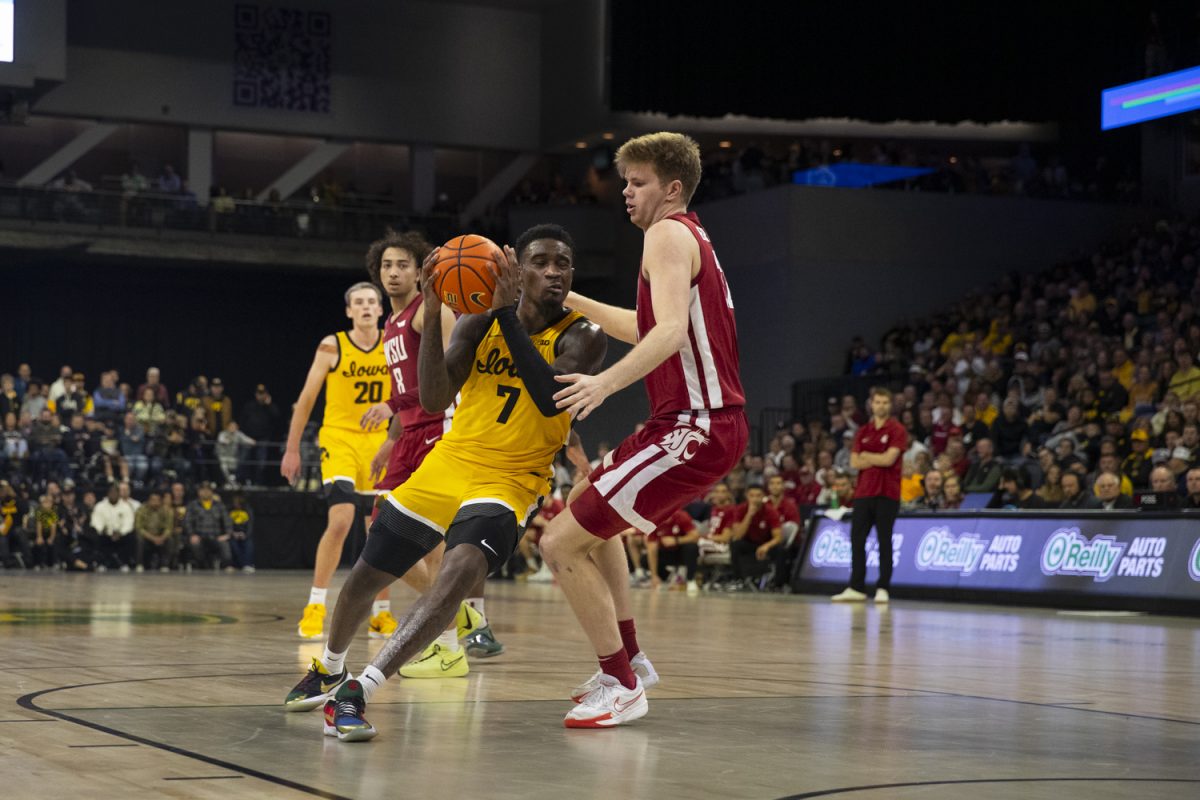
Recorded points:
289,468
376,415
428,268
583,396
508,279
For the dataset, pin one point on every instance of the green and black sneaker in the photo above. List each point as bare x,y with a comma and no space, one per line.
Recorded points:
314,688
480,643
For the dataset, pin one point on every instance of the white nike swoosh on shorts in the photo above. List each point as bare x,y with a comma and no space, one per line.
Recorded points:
488,546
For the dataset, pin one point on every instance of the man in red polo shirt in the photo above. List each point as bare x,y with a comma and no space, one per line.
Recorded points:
756,533
876,456
785,507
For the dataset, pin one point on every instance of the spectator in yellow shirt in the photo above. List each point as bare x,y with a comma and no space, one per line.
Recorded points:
1083,301
964,335
1186,380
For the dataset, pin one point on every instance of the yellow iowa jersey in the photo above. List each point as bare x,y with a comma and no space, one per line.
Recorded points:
497,424
357,381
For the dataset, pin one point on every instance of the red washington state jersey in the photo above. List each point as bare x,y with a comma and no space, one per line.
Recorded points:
703,375
401,344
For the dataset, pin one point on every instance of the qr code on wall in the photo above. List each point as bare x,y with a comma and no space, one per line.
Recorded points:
281,58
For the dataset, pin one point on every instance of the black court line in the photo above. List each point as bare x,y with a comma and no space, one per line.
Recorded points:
28,720
378,703
208,778
81,746
877,786
29,702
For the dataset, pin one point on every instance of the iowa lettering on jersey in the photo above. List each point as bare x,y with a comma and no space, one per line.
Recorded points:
353,370
496,364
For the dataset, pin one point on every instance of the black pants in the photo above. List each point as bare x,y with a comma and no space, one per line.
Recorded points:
684,555
879,512
116,553
743,556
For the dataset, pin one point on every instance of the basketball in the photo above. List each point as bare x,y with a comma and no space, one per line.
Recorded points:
463,275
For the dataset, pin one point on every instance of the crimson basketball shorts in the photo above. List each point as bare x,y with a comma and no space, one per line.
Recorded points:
660,469
408,453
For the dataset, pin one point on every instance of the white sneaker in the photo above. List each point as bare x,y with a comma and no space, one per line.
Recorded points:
641,667
139,569
608,704
124,568
849,595
693,587
249,570
881,596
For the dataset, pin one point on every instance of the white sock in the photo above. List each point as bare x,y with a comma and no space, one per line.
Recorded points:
317,596
449,640
532,564
477,604
334,662
379,606
371,679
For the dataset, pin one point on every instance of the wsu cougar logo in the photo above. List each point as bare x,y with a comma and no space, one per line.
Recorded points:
681,443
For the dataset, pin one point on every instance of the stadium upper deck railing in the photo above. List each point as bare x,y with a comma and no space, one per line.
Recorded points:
354,219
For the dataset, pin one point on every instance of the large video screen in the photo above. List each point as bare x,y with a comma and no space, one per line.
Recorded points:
6,30
1141,101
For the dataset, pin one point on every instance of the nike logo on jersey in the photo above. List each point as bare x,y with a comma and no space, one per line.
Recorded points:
488,546
431,441
620,707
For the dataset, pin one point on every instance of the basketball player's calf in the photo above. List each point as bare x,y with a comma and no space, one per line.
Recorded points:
490,530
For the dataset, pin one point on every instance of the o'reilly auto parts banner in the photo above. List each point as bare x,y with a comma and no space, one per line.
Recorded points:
1148,556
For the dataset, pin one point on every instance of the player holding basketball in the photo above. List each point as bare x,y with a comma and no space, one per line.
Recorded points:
485,479
685,346
352,368
394,263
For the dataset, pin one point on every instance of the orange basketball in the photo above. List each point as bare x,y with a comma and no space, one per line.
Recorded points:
463,275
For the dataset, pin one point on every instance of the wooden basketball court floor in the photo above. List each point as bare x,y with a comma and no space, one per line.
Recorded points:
170,686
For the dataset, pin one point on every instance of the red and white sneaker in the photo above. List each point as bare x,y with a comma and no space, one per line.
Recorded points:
608,704
641,667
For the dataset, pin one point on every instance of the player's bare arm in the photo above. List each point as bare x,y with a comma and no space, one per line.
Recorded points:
671,259
619,323
324,360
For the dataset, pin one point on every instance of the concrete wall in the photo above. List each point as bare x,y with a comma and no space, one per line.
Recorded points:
810,267
444,73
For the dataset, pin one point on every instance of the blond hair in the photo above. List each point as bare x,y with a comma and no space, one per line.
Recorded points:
363,285
672,156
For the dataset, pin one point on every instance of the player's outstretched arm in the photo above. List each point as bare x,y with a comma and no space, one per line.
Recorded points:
669,253
619,323
325,359
441,370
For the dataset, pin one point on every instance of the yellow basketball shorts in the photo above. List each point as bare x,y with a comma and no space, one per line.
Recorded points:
446,483
346,457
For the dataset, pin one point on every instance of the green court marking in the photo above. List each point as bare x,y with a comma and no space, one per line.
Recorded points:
88,616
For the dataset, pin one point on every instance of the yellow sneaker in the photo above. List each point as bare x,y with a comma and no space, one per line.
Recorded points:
467,620
437,662
312,624
382,626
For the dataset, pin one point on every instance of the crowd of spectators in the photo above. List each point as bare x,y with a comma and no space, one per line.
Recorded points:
83,474
1049,390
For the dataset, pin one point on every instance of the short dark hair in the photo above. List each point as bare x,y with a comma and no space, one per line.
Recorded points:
881,391
412,241
758,486
545,230
1018,475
